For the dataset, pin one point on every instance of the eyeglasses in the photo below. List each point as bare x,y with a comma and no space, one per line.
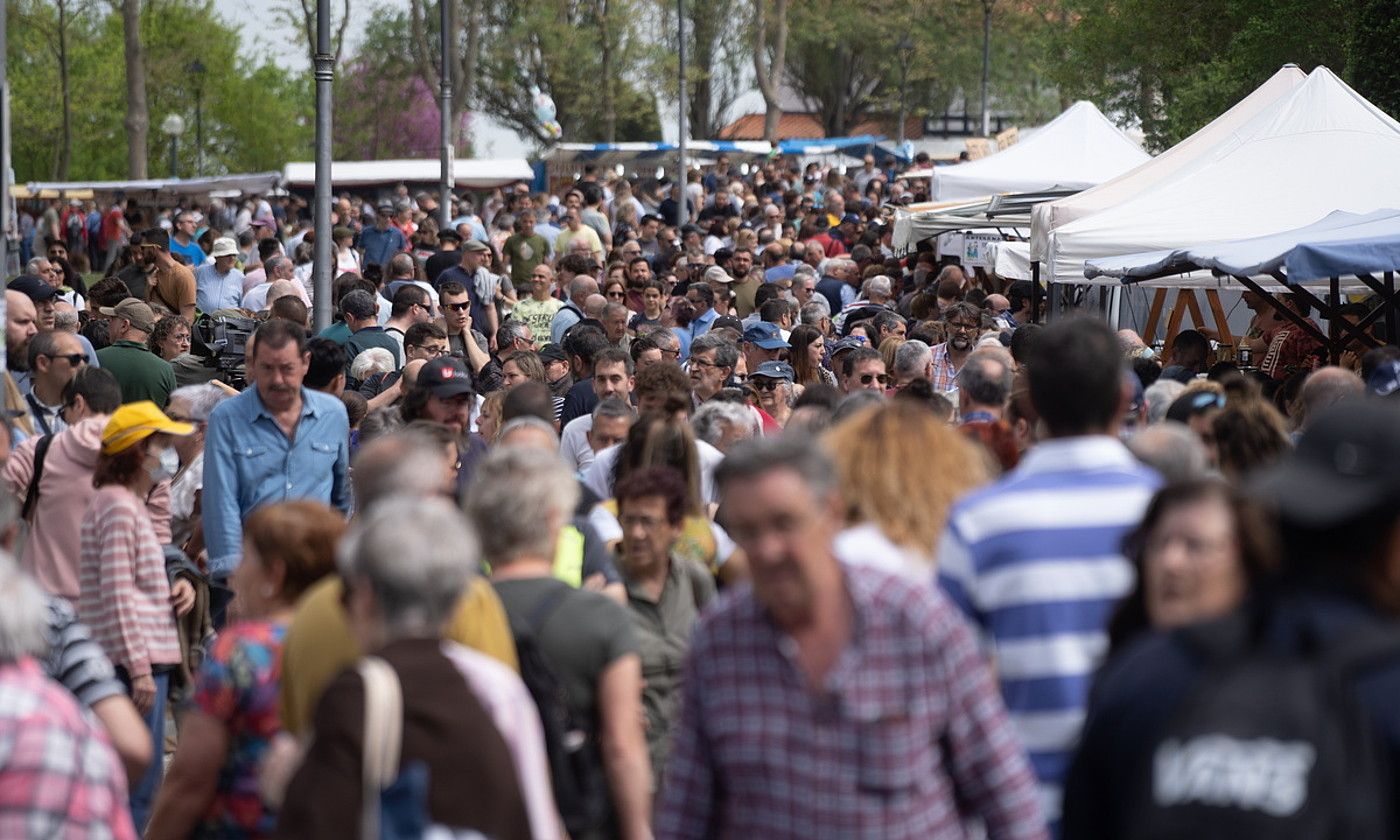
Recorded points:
670,354
704,363
73,359
766,384
459,307
431,350
963,327
867,378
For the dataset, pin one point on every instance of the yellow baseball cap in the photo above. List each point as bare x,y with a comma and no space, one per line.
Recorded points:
137,421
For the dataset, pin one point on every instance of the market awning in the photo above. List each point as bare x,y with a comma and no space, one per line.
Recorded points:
610,154
255,183
468,173
1339,245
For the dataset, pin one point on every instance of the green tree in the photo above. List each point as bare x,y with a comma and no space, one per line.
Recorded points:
1173,65
256,115
1372,61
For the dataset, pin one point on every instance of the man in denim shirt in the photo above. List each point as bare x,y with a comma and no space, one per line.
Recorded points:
275,442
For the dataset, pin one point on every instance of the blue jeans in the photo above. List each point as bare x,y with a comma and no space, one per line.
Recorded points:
143,793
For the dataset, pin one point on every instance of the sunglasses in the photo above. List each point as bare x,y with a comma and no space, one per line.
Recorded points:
618,295
867,378
458,307
74,359
766,384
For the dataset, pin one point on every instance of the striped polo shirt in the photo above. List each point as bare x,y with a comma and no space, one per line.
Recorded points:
1035,561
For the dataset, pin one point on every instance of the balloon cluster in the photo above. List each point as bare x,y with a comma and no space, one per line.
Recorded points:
545,112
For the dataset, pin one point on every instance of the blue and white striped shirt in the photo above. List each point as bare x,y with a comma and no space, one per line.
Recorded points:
1035,561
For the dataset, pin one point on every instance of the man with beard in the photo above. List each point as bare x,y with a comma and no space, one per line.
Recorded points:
21,325
167,282
964,323
275,442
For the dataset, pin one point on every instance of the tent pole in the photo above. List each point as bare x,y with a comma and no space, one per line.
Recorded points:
1035,292
1390,318
1334,300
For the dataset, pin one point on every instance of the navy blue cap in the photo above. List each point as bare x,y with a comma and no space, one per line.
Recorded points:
766,336
774,370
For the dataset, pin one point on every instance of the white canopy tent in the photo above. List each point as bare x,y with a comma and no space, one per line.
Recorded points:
1077,149
1318,148
1052,215
1011,260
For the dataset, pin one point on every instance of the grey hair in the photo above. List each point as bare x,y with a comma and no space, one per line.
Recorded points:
29,267
521,496
726,352
24,613
380,422
1159,397
912,358
814,310
510,332
613,308
1172,449
755,457
273,263
712,419
613,408
804,270
528,421
985,379
371,361
202,399
404,463
65,320
880,285
417,574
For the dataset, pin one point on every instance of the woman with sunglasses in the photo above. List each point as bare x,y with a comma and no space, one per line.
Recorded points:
771,384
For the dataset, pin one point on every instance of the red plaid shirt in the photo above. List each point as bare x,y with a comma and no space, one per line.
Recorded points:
908,725
945,376
58,775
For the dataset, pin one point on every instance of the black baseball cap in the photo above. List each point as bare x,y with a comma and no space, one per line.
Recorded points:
1346,467
553,353
445,376
34,288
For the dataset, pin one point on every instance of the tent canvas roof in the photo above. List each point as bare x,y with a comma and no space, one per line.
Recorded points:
1339,245
1319,148
1077,149
1050,216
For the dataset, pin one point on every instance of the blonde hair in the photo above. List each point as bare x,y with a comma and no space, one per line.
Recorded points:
899,468
888,348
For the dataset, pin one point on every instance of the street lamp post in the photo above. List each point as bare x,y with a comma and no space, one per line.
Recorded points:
445,109
174,125
322,260
906,51
987,66
682,215
197,71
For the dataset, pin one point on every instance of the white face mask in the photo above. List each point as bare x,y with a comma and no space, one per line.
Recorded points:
169,465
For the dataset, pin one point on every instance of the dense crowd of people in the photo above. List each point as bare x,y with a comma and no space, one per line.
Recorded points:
585,521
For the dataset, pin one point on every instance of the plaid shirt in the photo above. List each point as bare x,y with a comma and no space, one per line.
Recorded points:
58,776
124,592
908,725
945,376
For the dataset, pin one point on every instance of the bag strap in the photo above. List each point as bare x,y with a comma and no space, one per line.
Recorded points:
31,495
383,737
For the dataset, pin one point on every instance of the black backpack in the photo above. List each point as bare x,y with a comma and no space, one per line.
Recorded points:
575,762
1271,743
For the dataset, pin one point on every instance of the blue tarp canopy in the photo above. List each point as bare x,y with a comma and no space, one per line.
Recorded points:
854,146
1339,245
614,153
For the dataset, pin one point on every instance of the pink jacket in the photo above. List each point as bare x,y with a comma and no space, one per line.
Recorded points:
50,553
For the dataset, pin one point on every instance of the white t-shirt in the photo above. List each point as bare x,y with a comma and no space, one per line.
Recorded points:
598,477
574,447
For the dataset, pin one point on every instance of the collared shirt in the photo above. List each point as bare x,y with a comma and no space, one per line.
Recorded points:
215,291
905,736
701,324
945,375
250,462
1036,562
380,245
663,636
47,418
60,777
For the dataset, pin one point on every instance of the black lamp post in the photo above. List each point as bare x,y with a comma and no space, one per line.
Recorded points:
906,52
197,72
